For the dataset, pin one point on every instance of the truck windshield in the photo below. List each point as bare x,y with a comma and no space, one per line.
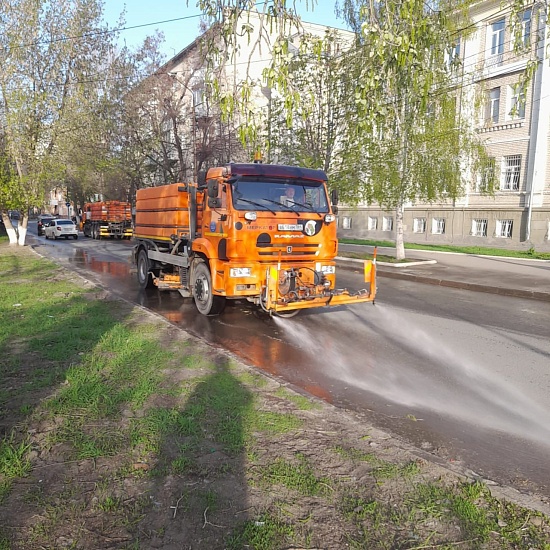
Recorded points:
279,196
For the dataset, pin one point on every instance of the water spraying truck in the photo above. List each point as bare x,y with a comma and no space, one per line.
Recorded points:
107,219
258,232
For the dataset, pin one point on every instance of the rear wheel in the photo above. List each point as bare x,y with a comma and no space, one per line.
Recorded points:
207,303
144,277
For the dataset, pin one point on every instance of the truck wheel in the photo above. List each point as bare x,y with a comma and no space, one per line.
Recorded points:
144,277
207,303
287,314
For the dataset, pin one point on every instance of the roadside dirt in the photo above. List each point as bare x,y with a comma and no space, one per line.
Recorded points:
330,481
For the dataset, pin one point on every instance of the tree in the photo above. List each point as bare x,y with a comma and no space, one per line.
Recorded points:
410,141
57,58
312,135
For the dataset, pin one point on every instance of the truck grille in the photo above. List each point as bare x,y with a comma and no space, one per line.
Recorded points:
289,249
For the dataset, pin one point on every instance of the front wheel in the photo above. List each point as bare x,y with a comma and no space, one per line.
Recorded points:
287,314
144,277
207,303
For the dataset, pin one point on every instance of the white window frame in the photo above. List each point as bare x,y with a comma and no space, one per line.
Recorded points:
511,173
497,30
492,105
346,222
525,20
453,52
372,223
516,100
438,226
489,174
387,223
419,225
479,227
504,229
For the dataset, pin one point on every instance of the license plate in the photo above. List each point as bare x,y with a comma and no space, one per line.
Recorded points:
289,227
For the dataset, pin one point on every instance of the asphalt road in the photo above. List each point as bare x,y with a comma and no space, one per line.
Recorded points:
461,375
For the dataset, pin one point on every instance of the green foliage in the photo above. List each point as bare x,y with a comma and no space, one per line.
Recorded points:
409,142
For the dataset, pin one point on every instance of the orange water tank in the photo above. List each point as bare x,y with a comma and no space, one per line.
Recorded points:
162,211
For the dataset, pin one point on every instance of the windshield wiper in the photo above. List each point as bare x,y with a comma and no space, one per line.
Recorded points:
305,205
256,204
281,204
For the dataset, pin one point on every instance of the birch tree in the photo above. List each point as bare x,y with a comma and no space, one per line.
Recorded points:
410,142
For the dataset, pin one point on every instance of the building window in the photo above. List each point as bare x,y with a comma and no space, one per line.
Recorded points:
496,35
525,28
438,226
504,228
372,223
479,228
486,175
517,102
419,225
346,222
387,223
510,173
453,52
492,106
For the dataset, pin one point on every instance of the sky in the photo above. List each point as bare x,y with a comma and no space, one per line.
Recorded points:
180,23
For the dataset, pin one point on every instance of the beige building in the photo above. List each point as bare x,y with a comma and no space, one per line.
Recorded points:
516,135
210,139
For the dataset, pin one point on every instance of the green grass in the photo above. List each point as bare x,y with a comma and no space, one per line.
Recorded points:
264,533
381,469
477,250
298,476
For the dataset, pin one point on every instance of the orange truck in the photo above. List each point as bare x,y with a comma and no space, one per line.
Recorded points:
257,232
107,219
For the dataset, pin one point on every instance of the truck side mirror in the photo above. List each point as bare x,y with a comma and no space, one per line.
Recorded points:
213,188
334,197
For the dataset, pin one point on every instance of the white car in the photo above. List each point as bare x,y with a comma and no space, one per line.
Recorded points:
61,228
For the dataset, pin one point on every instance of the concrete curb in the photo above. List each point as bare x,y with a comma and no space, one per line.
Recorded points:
391,273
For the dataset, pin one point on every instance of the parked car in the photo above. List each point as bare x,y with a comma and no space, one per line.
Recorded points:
61,228
43,221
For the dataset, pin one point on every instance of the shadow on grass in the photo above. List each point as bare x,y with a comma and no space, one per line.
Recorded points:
200,488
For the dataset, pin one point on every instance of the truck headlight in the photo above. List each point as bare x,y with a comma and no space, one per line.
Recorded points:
240,272
329,218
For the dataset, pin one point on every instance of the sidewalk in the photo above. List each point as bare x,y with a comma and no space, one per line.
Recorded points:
497,275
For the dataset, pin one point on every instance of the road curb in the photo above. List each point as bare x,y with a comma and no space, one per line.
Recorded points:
391,273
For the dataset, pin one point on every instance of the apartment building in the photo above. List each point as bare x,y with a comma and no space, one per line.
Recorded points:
516,132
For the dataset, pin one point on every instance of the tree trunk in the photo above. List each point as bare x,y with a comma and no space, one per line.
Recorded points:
22,229
10,230
399,241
